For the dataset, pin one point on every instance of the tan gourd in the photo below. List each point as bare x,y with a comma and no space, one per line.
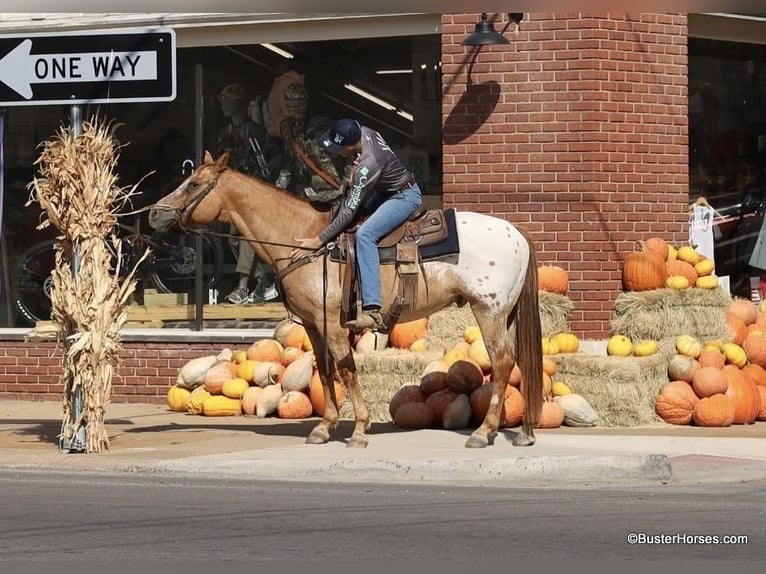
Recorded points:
267,400
297,375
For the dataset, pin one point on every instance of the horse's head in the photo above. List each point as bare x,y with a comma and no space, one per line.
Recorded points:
195,200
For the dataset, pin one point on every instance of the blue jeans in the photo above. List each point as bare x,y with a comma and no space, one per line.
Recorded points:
390,214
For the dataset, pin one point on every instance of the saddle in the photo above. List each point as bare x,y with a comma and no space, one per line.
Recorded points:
426,235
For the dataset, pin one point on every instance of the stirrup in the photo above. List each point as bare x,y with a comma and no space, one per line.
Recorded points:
367,320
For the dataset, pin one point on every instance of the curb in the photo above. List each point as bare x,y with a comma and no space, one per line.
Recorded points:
497,472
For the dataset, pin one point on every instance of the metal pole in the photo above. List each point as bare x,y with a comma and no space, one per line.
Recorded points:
77,444
199,110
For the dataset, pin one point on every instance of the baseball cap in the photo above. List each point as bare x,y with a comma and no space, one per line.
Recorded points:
345,132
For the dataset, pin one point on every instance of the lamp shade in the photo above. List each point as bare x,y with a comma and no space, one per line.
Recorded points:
484,34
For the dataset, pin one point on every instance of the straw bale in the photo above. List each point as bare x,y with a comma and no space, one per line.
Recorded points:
663,313
622,390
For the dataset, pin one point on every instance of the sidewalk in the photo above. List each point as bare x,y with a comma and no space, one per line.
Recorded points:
150,439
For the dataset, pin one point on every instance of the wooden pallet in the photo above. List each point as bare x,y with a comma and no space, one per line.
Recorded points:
146,316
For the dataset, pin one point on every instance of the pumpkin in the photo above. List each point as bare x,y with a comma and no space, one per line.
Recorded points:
297,375
464,375
402,335
689,346
644,271
515,377
512,411
234,388
267,400
704,267
658,245
457,414
439,400
413,415
762,413
294,337
307,344
221,406
471,333
707,282
281,330
709,381
246,369
239,356
316,393
672,253
549,366
291,354
735,355
196,398
744,395
249,400
675,403
682,368
177,397
479,355
619,346
712,358
676,267
294,405
218,374
434,377
265,350
367,342
267,373
551,416
559,389
757,373
567,342
479,399
645,348
192,374
407,393
578,412
737,328
677,282
550,346
553,279
688,254
715,411
755,347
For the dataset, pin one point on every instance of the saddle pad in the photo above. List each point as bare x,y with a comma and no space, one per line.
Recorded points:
450,246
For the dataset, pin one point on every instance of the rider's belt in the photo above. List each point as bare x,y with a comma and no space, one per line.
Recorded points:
410,183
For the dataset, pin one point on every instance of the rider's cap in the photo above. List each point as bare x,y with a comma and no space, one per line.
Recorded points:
344,133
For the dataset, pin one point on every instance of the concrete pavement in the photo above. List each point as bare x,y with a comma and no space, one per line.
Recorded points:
150,439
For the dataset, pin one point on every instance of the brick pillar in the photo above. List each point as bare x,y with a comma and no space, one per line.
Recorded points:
576,131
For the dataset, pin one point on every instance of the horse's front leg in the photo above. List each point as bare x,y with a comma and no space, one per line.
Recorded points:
320,434
347,371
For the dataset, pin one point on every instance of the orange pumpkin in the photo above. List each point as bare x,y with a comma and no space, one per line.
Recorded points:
709,381
644,271
249,400
294,405
715,411
762,413
755,347
464,375
551,416
737,328
744,309
265,350
675,403
757,373
657,245
513,408
294,337
316,393
553,279
712,358
402,335
744,395
218,374
678,267
515,378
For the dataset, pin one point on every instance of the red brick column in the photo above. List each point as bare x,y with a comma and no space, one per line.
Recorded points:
577,131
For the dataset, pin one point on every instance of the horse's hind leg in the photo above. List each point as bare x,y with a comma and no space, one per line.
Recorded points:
347,370
320,434
500,342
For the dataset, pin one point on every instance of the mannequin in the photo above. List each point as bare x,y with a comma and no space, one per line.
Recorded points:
245,140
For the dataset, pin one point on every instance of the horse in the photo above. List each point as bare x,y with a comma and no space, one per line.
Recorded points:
495,274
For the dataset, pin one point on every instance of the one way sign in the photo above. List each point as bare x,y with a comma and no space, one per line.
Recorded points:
93,67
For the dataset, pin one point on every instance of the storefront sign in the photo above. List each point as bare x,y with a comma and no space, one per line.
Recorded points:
88,67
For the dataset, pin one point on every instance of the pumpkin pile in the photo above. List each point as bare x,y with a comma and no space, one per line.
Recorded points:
716,384
659,264
272,377
453,392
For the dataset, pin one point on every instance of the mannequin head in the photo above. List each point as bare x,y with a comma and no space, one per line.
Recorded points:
233,99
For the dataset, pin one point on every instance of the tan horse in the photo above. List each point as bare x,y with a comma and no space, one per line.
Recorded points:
495,273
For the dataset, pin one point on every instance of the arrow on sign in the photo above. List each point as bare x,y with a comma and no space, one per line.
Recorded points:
19,69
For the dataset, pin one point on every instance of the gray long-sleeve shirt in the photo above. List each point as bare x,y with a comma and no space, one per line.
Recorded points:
376,173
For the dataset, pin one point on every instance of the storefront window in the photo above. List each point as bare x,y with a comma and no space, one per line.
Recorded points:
727,150
342,79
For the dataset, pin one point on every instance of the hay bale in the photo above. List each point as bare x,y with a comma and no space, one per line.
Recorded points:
663,313
621,389
554,313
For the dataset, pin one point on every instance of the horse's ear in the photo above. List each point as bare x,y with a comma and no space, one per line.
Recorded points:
222,161
208,158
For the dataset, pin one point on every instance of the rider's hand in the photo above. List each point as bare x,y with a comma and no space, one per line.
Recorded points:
305,245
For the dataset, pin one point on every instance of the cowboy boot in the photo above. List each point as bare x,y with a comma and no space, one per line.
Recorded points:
368,319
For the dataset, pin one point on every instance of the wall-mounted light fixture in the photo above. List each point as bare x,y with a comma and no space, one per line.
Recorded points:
485,34
278,50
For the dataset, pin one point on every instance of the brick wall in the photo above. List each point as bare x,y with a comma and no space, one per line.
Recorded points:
31,371
577,131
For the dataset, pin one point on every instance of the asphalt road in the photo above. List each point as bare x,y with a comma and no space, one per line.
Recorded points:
82,517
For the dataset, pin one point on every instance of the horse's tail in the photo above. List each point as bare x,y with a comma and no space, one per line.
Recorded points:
529,352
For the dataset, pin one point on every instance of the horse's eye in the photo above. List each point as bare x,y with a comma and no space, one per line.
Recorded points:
192,184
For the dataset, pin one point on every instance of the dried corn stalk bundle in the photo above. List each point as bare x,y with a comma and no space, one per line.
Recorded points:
77,188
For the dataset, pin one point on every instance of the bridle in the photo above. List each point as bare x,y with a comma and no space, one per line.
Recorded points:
184,212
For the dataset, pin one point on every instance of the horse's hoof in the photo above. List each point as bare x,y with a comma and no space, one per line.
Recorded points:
357,441
318,436
476,441
522,439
